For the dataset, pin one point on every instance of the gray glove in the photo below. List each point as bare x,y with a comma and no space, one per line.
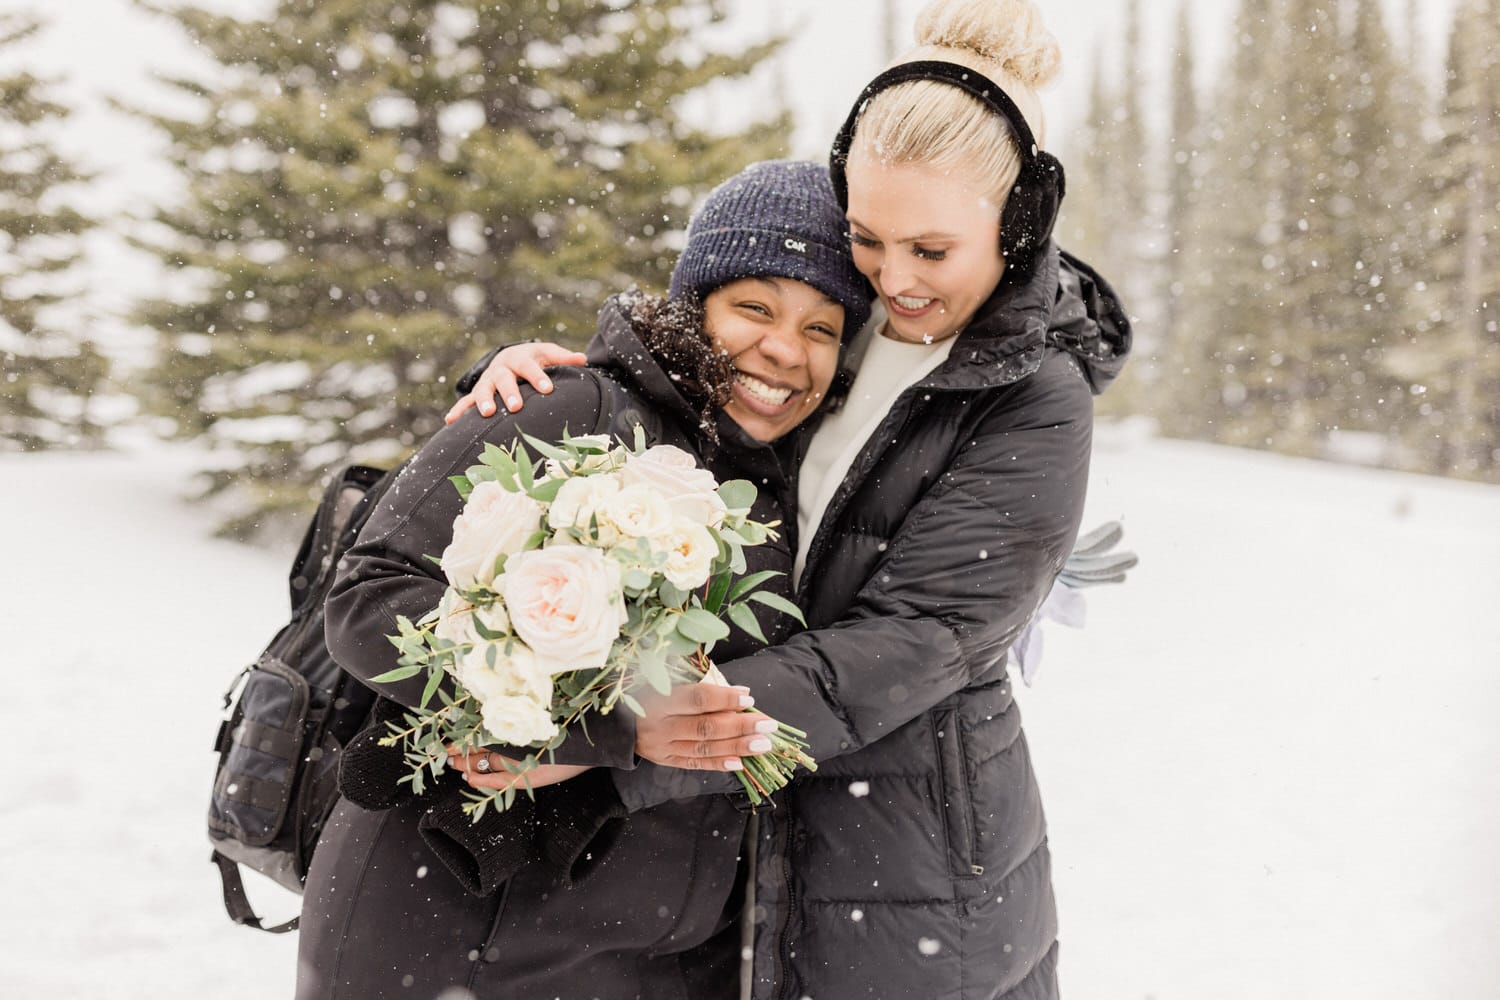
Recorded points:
1091,561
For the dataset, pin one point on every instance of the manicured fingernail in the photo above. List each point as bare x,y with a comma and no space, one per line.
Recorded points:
733,764
486,408
513,401
760,745
544,385
746,701
767,726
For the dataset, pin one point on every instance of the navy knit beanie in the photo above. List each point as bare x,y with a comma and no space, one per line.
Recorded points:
774,219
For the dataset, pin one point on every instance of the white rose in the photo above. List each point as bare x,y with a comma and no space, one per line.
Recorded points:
580,499
692,491
566,604
514,695
456,618
516,673
605,459
453,617
518,721
494,522
639,511
691,549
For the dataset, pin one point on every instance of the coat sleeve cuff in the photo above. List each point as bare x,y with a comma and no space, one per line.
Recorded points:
370,774
652,785
482,855
577,820
608,741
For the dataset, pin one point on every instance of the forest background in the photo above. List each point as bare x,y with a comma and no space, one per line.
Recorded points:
321,211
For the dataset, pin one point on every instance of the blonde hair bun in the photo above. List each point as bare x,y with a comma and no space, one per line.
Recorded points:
1008,33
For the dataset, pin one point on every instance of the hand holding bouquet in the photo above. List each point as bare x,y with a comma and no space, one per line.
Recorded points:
574,580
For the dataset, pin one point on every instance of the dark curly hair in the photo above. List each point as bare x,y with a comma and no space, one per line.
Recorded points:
673,331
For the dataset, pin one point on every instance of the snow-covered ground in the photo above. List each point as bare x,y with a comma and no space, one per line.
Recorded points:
1271,762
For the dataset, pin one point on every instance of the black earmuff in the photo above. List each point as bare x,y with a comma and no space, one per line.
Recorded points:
1033,203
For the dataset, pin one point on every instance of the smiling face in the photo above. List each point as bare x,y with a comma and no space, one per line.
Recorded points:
782,337
928,240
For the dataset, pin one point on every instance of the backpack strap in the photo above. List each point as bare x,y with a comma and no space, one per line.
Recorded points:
237,904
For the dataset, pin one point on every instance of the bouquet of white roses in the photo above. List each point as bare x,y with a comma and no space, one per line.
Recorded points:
574,580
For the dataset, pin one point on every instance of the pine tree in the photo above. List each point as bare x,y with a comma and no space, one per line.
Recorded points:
1308,387
1182,170
381,188
1455,359
49,370
1083,225
1128,226
1130,185
1229,309
1351,301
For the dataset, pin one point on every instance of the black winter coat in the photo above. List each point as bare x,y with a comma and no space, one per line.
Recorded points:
914,863
653,911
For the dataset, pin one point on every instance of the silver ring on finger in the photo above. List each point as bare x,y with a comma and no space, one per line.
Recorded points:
482,765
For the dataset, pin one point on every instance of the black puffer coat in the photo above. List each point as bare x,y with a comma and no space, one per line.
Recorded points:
654,915
914,863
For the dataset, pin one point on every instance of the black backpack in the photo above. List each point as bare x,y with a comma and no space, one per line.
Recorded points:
294,711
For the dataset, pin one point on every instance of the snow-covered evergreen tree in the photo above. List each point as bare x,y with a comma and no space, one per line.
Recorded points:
381,188
47,370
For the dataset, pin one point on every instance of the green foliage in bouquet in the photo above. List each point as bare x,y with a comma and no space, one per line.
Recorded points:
578,579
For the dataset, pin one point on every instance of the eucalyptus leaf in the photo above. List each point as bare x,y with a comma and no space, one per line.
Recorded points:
485,632
653,669
718,590
398,674
433,682
480,474
779,603
546,491
525,469
749,583
549,450
701,626
742,616
672,595
738,494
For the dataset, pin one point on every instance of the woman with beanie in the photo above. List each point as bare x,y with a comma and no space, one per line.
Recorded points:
935,509
405,897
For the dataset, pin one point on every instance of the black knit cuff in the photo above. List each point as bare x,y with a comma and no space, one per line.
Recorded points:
370,774
577,821
482,855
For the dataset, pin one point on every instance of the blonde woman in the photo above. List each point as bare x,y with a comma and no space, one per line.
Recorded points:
936,505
